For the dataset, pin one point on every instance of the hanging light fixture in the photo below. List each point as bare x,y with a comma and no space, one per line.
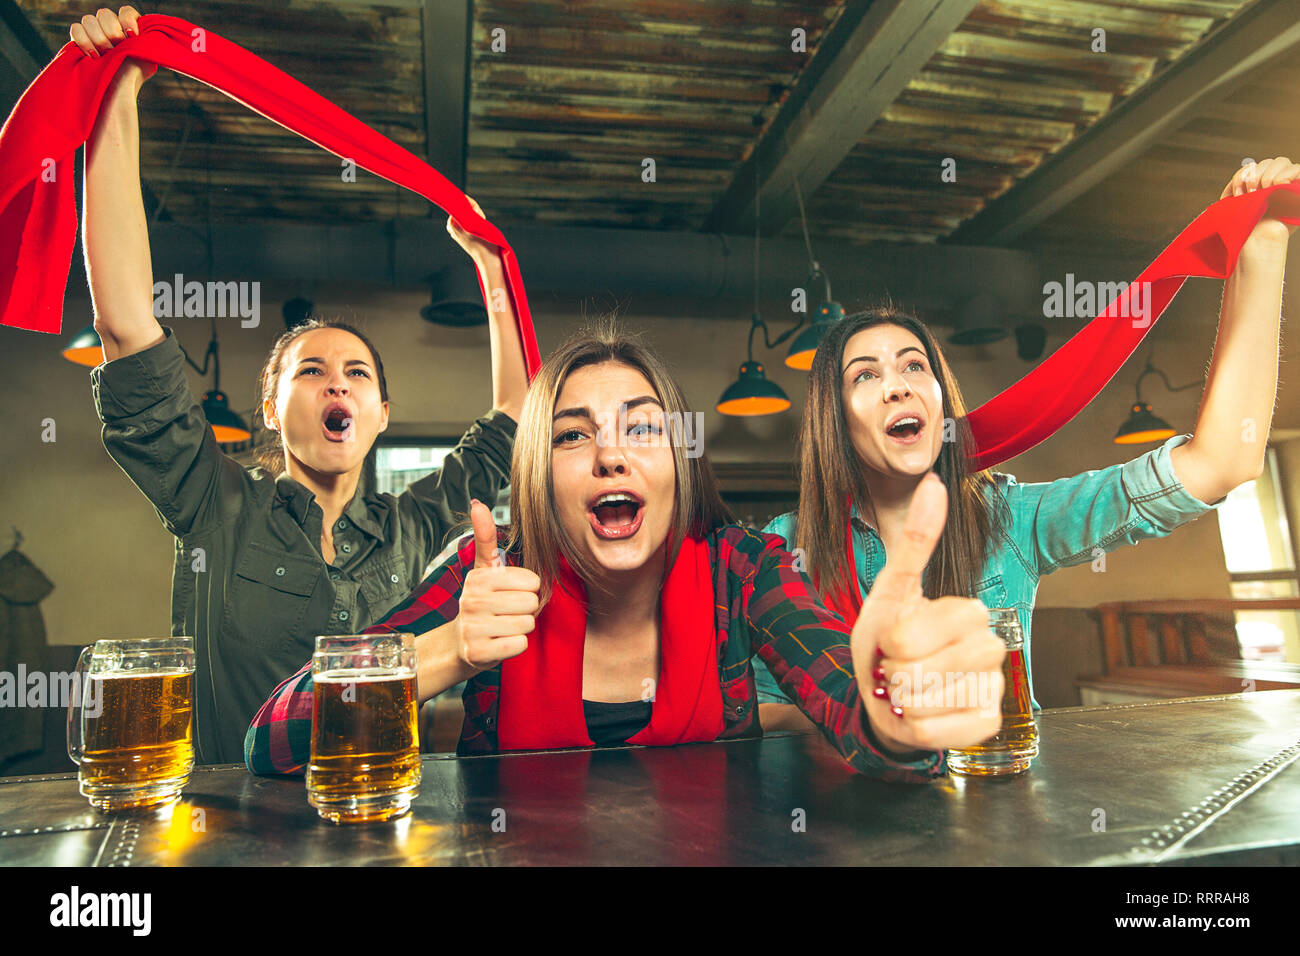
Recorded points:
85,348
1143,425
804,347
752,393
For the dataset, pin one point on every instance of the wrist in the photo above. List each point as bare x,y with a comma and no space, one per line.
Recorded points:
1268,240
440,665
888,745
489,265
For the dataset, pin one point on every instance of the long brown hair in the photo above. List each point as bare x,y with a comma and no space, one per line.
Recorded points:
270,451
831,475
535,528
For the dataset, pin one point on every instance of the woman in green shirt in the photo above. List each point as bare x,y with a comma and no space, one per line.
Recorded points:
266,558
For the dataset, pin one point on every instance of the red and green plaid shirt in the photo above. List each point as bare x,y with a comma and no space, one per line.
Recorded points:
764,607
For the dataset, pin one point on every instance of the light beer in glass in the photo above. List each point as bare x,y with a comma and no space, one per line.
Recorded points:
134,736
1016,744
365,744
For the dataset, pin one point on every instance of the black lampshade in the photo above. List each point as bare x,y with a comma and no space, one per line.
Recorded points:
753,394
227,427
84,348
804,346
1142,426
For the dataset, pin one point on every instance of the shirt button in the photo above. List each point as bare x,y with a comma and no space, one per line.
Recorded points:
345,548
740,709
343,615
342,525
393,578
334,575
279,572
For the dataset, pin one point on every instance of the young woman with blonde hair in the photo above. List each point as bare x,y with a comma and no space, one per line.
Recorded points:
624,606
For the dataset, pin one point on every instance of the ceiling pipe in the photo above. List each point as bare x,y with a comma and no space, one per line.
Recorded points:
930,278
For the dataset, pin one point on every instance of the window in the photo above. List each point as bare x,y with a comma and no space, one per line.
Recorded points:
1261,561
399,464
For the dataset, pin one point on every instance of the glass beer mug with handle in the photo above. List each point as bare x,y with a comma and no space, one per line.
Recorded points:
365,741
132,732
1016,744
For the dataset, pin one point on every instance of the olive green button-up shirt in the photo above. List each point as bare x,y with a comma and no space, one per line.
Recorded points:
250,583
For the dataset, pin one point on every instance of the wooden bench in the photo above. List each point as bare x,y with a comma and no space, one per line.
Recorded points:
1166,649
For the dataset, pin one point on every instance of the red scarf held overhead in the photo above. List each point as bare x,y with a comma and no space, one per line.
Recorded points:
540,704
38,214
38,219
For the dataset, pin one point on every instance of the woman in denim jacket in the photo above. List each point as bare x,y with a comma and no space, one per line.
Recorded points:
884,409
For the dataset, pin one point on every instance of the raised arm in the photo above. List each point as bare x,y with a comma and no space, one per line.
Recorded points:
153,428
1232,427
115,237
509,374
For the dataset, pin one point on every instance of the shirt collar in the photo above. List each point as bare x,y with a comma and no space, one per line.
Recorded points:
299,499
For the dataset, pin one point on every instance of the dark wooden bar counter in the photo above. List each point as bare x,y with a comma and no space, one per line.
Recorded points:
1207,780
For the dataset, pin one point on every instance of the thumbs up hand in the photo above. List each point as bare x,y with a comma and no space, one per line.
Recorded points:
498,604
939,662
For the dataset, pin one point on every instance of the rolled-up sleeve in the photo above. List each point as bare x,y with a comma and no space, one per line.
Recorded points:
1156,491
157,433
1066,522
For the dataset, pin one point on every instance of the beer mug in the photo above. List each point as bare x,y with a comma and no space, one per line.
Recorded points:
365,742
133,738
1016,744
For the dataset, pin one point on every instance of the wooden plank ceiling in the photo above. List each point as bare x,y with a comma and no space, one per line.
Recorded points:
560,122
367,59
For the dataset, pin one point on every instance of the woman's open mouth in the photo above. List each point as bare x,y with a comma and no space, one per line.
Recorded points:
616,514
906,430
337,423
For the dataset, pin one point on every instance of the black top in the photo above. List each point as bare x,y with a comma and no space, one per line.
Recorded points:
609,724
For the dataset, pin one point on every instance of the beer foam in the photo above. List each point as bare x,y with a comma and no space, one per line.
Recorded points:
155,672
363,676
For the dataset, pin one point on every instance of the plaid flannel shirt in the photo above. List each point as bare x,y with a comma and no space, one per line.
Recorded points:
763,607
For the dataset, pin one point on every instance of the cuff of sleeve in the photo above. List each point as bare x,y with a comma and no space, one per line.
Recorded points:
133,383
1156,492
930,764
499,421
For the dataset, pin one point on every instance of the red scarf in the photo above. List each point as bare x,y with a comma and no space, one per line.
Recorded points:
38,217
540,705
1031,410
844,600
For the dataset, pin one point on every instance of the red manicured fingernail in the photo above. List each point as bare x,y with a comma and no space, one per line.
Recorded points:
879,652
896,711
878,673
880,693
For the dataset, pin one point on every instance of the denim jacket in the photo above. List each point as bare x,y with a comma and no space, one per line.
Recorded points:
1052,524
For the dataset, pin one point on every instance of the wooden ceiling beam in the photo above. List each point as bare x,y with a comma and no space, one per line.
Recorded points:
861,66
446,26
1259,37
